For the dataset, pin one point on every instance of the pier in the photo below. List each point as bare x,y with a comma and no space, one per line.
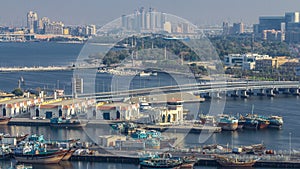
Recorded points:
185,128
176,129
202,160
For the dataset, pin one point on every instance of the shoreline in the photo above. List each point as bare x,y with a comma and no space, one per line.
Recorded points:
201,162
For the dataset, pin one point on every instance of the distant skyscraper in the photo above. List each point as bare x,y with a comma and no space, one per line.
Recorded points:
42,22
32,22
292,17
55,28
270,22
147,21
226,28
152,18
93,29
238,28
168,27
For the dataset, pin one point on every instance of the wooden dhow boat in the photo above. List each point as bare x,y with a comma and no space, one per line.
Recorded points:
41,157
236,161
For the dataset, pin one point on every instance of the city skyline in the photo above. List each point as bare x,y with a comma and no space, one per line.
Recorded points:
214,12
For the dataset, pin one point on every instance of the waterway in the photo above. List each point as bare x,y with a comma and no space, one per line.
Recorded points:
19,54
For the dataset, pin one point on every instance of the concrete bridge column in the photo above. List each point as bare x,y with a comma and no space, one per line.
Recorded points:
250,92
296,92
244,94
217,95
261,92
271,93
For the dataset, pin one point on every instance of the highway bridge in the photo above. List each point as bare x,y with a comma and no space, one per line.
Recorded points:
243,89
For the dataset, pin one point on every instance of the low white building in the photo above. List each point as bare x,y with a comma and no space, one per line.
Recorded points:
245,61
110,140
118,111
172,113
62,108
11,107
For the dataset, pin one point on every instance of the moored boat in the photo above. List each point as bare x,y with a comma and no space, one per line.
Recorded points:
254,121
241,123
227,161
5,152
139,134
4,120
227,122
188,162
263,123
207,120
161,162
275,122
19,138
40,157
68,155
60,122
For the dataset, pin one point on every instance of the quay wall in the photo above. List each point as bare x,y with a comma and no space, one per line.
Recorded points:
201,162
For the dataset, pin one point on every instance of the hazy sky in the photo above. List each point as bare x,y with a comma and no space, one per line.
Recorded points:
201,12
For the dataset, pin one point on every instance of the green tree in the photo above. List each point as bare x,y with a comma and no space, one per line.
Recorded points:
18,92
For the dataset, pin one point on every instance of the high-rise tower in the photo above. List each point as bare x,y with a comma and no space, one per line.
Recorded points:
32,22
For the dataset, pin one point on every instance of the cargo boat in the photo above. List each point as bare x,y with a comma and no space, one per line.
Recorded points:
275,122
163,161
226,161
68,155
188,162
48,157
60,122
227,123
4,120
19,138
255,122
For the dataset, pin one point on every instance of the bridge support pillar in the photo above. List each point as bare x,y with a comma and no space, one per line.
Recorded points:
244,94
216,95
296,92
271,93
250,92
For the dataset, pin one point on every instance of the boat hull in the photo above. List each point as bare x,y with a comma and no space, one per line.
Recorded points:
18,138
52,158
165,163
4,120
263,125
228,126
275,126
188,165
165,167
68,125
229,164
68,155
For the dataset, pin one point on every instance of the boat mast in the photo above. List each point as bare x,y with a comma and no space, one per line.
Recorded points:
252,109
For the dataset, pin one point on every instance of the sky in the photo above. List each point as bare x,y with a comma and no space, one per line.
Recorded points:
99,12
